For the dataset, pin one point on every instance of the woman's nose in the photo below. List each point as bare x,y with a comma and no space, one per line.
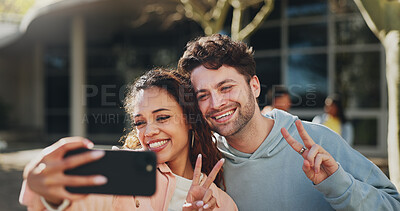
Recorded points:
151,130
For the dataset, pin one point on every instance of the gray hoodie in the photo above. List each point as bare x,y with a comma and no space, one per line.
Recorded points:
272,178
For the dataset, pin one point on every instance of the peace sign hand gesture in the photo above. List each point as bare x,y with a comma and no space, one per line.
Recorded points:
318,163
200,197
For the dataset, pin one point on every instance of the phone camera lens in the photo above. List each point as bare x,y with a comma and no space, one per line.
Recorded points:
149,168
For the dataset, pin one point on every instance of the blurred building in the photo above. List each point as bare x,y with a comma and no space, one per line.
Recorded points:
64,68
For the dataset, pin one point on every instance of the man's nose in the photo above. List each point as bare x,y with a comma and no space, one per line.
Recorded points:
217,101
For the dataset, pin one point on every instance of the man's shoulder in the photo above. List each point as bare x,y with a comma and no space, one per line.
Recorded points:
320,132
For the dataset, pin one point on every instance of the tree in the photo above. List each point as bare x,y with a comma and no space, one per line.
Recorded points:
383,18
211,15
15,6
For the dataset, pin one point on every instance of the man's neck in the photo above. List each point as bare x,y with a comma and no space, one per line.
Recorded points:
250,137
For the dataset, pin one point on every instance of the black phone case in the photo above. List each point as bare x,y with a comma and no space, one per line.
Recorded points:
128,173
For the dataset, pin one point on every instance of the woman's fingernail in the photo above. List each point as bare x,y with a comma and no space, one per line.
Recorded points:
199,156
89,144
206,206
199,203
97,154
100,180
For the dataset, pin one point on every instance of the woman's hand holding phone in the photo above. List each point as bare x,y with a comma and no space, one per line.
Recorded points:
46,177
200,196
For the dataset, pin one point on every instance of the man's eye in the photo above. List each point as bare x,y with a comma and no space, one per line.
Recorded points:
163,118
201,97
226,88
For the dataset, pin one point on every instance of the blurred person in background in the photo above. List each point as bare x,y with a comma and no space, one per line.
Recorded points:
277,97
335,119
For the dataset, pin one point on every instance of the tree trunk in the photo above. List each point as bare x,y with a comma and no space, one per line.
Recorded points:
392,45
382,17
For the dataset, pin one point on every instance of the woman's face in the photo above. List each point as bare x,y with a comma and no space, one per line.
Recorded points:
161,126
330,107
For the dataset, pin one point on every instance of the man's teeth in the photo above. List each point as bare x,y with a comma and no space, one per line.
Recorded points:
224,115
157,144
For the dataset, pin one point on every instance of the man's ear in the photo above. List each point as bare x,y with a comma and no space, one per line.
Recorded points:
255,86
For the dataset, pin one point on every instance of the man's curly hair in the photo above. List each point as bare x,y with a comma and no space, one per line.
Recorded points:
216,50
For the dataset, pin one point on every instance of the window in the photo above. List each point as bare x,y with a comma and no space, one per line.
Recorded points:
317,48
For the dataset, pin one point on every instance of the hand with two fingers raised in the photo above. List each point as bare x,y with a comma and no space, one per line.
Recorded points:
318,163
46,175
200,197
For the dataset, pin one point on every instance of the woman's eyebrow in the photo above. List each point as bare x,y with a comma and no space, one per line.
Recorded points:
155,111
160,109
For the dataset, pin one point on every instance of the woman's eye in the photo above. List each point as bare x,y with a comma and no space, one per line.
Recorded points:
139,123
162,118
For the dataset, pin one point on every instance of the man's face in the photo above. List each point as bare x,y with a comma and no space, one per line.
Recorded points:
226,99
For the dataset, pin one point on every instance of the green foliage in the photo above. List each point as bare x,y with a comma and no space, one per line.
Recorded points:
15,6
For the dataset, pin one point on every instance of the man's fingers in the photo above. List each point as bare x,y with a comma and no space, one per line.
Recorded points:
307,169
213,174
297,146
312,153
197,171
308,142
318,161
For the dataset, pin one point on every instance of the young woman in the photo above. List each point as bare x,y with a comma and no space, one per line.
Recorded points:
335,119
167,121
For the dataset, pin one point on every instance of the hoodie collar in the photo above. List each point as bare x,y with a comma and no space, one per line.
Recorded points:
272,144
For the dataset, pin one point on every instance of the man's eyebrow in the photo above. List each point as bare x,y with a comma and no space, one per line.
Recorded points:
223,82
155,111
216,86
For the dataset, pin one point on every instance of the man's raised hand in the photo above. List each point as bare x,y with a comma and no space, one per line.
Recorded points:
318,163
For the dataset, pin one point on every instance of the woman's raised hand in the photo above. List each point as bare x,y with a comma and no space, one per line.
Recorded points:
318,163
45,175
200,197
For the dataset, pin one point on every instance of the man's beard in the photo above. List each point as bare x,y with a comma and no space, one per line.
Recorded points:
245,114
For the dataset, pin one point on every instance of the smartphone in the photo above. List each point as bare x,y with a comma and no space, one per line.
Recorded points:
128,172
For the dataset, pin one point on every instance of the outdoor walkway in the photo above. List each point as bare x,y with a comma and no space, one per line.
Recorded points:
12,163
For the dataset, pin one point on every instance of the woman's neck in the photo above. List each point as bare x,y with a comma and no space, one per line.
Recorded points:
183,168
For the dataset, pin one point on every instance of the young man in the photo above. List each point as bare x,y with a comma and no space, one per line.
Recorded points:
263,171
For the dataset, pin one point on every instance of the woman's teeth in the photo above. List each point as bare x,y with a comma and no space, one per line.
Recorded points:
224,115
157,144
